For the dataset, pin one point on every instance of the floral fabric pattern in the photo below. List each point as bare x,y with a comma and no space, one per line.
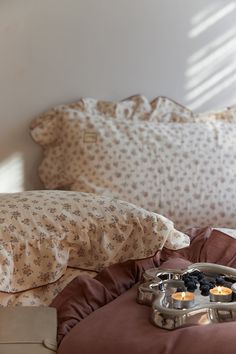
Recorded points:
44,232
43,295
158,155
182,171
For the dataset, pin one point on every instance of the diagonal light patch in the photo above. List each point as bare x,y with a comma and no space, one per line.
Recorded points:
214,92
210,21
212,46
203,76
199,56
205,13
12,174
213,58
211,81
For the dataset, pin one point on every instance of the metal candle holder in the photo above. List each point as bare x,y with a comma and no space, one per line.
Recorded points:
160,285
233,288
183,300
221,294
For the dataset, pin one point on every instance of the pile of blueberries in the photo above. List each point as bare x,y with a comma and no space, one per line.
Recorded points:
191,280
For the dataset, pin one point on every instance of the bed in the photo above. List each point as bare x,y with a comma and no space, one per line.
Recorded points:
129,186
125,325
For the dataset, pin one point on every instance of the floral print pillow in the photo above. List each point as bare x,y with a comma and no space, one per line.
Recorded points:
58,131
182,171
44,232
42,295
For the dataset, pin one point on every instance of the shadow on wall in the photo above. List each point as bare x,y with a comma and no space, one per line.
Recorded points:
211,70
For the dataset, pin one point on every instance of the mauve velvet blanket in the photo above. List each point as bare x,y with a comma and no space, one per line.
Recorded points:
100,315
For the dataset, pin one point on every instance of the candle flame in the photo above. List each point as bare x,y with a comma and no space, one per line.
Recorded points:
219,289
183,296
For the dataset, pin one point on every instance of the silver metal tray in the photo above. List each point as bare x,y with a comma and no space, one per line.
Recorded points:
159,285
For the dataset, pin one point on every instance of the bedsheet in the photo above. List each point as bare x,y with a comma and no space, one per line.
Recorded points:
43,295
101,315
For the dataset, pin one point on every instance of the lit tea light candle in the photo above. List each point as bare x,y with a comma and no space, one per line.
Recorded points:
233,288
183,300
221,294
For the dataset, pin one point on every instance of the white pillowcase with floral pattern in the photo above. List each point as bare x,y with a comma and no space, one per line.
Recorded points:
43,232
185,172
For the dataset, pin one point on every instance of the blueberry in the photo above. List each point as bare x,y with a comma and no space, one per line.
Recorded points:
211,285
203,286
213,282
203,281
191,287
205,293
220,281
205,290
190,283
180,290
186,281
195,273
201,276
193,279
184,276
206,283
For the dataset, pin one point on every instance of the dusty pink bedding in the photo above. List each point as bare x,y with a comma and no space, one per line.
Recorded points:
100,315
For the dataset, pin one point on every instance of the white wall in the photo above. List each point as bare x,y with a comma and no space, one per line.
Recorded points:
55,51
